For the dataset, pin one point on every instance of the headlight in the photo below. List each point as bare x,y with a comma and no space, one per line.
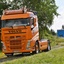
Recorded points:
28,44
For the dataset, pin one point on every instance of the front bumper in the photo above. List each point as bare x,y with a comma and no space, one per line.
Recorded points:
18,51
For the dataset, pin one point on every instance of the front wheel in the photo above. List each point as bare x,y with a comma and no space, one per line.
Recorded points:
37,49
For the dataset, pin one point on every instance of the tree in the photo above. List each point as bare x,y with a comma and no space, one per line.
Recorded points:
3,5
15,4
53,32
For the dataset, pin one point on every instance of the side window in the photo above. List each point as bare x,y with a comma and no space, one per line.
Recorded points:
32,23
3,23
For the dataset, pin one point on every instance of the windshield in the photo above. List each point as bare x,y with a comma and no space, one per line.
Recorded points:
16,22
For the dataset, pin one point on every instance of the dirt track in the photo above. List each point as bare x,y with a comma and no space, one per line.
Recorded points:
10,58
16,56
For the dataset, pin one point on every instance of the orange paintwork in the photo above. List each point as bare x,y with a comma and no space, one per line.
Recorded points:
21,38
15,16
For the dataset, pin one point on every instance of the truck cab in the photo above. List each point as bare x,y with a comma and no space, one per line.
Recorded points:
20,33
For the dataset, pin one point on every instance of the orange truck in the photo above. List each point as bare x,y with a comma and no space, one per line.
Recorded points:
20,33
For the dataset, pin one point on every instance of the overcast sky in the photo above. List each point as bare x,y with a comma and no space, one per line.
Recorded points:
59,21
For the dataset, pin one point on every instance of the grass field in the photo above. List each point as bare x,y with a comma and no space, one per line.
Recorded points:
54,39
55,56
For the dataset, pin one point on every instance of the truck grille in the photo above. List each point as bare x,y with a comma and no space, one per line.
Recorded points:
15,44
15,47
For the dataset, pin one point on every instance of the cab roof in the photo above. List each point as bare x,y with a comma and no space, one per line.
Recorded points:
15,14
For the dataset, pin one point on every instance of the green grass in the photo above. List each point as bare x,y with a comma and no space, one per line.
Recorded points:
1,54
55,56
53,39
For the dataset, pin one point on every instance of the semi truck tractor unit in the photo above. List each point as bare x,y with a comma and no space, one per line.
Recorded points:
20,33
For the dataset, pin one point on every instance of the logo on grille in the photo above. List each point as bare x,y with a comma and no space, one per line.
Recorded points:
14,31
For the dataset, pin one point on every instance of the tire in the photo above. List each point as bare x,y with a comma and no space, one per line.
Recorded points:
9,54
37,49
49,46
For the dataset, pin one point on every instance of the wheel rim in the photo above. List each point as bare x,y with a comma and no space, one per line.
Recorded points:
37,49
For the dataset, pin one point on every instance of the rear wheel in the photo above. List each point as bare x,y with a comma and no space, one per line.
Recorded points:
9,54
49,46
